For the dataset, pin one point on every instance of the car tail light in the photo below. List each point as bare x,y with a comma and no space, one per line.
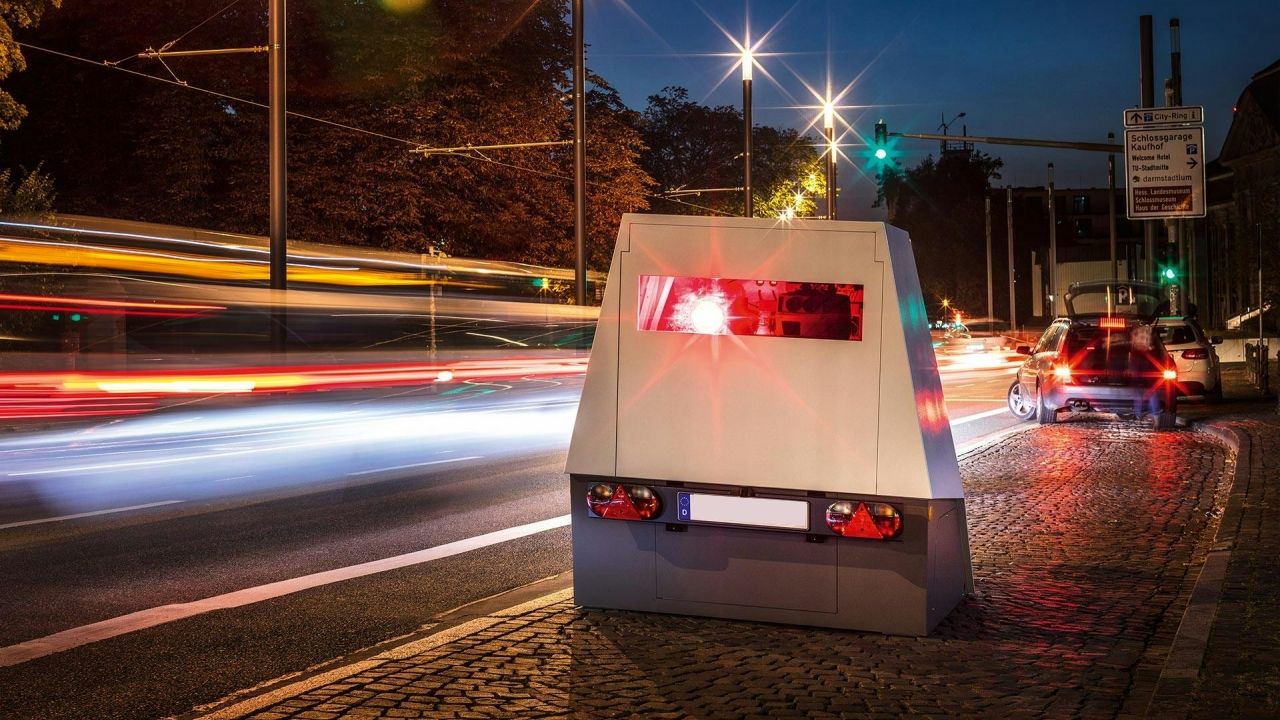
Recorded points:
1062,372
1195,354
875,521
623,502
1170,374
1112,323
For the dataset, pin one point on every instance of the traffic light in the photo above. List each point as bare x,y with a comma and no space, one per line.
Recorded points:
1170,273
880,149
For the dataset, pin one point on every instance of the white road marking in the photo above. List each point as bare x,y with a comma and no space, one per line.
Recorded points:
414,465
979,416
143,619
87,514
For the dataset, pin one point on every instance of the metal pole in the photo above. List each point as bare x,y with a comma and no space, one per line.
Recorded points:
278,180
830,133
1053,249
991,316
1111,209
1013,301
747,208
579,159
1021,142
1147,89
1177,228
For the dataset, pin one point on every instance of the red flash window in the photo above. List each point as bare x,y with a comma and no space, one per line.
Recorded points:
719,306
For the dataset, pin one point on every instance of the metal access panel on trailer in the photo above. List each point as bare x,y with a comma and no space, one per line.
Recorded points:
762,433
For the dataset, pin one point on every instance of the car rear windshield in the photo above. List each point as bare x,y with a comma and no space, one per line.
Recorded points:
1177,334
1134,300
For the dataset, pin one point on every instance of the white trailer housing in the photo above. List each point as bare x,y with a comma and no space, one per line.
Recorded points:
762,432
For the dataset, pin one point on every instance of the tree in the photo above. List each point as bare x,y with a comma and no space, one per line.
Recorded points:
940,204
451,73
21,14
693,146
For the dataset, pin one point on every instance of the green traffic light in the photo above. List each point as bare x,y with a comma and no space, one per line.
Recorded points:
881,153
57,316
1169,273
75,317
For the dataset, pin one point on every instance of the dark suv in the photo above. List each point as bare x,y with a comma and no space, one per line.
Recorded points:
1105,355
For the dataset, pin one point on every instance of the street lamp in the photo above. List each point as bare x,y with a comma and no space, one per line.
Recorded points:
829,131
945,126
747,61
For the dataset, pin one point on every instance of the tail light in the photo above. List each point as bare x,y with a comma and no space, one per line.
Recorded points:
1170,374
1062,372
1195,354
1112,323
623,502
875,521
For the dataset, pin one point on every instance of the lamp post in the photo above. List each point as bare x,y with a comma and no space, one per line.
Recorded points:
746,122
579,158
278,263
829,131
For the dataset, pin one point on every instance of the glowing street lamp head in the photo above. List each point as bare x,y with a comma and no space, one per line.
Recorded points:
747,62
828,116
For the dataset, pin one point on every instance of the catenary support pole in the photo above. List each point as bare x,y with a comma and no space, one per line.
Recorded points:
1008,223
278,186
1111,209
579,158
1147,89
1053,249
991,315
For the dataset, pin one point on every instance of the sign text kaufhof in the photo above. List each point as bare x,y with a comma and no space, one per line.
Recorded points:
1164,172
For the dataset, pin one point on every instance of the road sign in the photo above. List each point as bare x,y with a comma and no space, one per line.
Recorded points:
1164,172
1146,117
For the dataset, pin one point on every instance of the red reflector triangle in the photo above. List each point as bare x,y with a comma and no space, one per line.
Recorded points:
861,525
620,506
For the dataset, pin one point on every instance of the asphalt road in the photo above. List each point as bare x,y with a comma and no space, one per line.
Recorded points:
230,498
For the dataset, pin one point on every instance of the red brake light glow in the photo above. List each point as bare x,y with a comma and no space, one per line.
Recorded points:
1195,354
1170,374
623,502
1112,323
720,306
1062,372
871,520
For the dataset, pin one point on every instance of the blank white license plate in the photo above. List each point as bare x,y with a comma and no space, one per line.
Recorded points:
755,512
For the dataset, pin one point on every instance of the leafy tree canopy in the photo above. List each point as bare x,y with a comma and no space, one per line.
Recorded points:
940,203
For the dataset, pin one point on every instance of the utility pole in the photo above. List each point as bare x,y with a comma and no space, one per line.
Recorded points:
278,222
579,158
1147,90
1008,223
1053,250
991,317
1111,208
1176,227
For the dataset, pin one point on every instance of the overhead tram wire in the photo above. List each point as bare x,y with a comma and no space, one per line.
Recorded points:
332,123
179,39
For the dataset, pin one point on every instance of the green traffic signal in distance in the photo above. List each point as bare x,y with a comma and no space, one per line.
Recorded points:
1169,273
880,145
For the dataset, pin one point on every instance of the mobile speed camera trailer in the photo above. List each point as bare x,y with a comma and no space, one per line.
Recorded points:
762,433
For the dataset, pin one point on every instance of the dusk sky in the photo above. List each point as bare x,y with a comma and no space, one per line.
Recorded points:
1020,69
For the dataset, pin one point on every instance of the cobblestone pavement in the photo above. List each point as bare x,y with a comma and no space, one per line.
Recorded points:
1083,534
1240,677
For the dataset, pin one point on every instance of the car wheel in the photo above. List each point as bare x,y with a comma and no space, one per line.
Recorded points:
1019,404
1165,420
1045,415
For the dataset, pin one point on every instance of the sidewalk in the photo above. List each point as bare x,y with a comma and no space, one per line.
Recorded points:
1088,541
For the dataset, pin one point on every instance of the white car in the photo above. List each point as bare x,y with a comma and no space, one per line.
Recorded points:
1199,372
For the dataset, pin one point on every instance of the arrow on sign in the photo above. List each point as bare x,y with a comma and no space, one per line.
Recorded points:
1137,118
1191,163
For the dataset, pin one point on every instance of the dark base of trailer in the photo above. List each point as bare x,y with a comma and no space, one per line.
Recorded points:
904,586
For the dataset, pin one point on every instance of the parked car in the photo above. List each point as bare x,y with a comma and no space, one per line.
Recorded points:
1199,373
1105,355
